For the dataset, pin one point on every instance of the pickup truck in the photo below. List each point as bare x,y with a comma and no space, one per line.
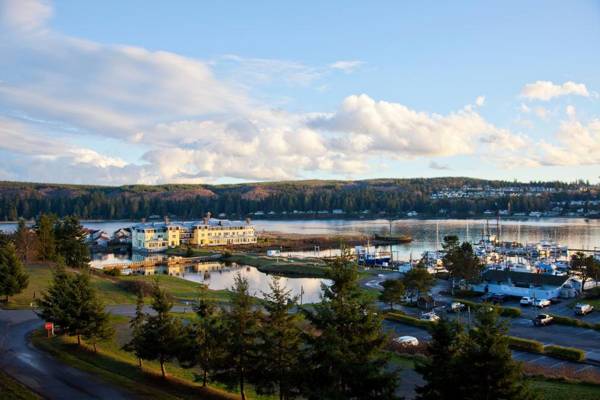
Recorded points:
583,309
543,320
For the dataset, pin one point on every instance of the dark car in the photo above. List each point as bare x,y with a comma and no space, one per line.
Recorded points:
487,297
498,298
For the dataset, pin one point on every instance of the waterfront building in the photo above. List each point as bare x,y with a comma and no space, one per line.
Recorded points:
159,236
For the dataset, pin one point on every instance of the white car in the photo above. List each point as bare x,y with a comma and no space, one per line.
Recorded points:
541,303
526,301
430,316
407,341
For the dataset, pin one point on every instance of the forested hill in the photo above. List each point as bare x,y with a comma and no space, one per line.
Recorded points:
452,197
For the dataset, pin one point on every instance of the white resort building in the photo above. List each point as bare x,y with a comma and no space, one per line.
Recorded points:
159,236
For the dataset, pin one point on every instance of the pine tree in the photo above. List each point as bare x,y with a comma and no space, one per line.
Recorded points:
346,360
393,292
136,324
13,279
70,242
25,242
241,325
72,303
280,343
202,340
160,335
45,233
440,370
486,367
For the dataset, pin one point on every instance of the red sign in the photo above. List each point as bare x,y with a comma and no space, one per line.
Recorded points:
49,326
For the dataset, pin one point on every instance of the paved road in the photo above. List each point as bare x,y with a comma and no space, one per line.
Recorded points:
41,372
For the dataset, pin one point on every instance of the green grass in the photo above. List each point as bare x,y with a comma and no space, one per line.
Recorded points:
560,390
40,276
11,389
291,267
120,368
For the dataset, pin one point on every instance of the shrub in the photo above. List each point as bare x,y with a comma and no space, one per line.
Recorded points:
511,312
565,353
559,319
135,286
407,319
531,346
113,272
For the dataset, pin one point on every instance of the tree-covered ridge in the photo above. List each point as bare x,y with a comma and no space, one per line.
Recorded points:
391,196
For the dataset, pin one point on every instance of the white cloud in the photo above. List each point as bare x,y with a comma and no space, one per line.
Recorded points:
400,132
570,111
578,144
480,101
541,112
546,90
346,66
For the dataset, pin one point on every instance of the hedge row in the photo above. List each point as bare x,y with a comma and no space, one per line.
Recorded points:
515,343
407,319
511,312
528,345
562,320
565,353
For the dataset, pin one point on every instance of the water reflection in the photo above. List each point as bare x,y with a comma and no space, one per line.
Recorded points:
223,276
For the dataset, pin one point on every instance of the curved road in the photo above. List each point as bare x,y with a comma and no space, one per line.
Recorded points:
41,372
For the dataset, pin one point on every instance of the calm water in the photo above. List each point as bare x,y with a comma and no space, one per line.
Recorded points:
577,233
309,289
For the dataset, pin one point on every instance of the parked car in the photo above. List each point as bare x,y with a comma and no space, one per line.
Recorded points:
541,303
487,297
456,306
430,316
543,320
406,341
526,301
583,309
498,298
555,300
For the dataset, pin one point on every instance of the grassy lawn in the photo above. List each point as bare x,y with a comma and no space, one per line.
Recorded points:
116,366
11,389
559,390
40,276
291,267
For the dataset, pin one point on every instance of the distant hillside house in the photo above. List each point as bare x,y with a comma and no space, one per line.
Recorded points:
159,236
521,284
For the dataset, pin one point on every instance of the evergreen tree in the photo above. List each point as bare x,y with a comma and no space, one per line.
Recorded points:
440,370
159,336
202,340
72,303
486,367
418,280
241,325
13,279
460,260
45,234
346,360
25,242
279,365
393,292
70,242
135,344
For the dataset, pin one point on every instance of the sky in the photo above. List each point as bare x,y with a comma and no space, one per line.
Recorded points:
122,92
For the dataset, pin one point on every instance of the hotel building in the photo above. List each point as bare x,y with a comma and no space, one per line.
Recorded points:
159,236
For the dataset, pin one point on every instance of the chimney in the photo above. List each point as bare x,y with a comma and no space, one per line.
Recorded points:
143,220
248,221
166,219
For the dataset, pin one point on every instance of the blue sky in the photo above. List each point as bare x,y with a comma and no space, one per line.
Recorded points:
118,92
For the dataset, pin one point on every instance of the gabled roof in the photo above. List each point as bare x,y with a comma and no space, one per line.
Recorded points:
525,278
